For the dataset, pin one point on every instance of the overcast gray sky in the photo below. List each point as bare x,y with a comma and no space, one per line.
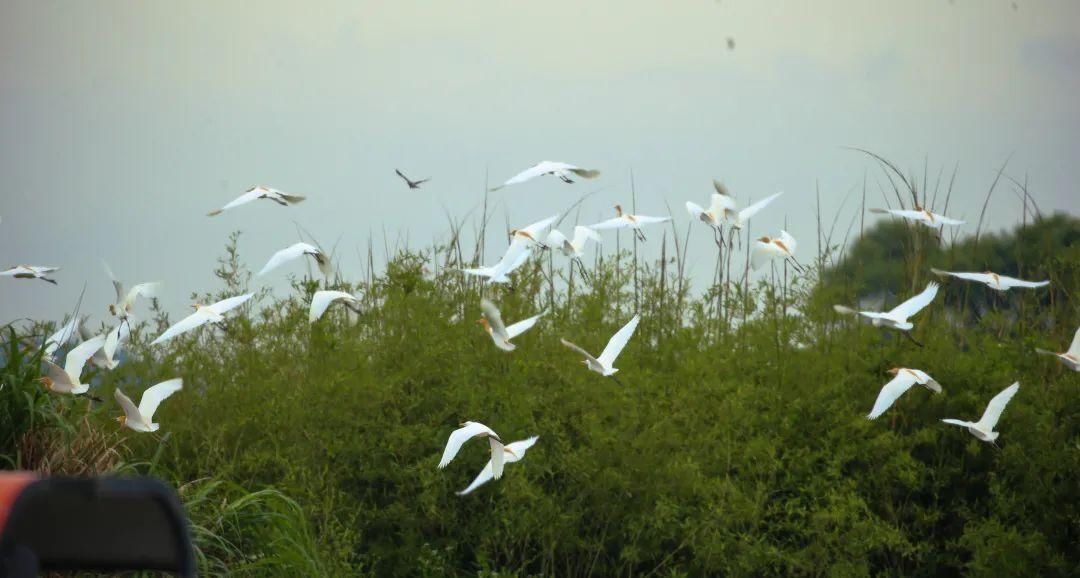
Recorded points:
123,123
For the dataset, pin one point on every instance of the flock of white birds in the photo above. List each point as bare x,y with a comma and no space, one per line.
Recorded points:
723,211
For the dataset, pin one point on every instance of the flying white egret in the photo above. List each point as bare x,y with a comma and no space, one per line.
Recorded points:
897,318
984,428
604,364
66,379
105,357
468,431
902,381
513,452
561,170
992,280
626,220
125,302
920,215
521,242
574,249
721,204
141,418
203,314
499,332
296,251
322,299
1071,357
259,192
62,336
769,248
30,272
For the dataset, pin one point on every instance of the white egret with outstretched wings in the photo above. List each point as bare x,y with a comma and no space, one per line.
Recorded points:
1070,357
512,452
468,431
564,171
141,418
259,192
903,379
992,280
604,363
500,333
984,428
203,314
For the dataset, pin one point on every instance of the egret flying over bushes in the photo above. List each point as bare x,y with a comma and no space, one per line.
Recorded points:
322,299
721,205
1070,358
992,280
500,333
104,358
521,243
66,379
125,301
296,251
897,318
141,419
739,218
203,314
625,220
920,215
259,192
30,272
513,452
604,364
468,431
562,170
984,428
769,248
903,379
574,249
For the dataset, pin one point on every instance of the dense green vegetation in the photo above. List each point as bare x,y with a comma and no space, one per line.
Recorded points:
736,444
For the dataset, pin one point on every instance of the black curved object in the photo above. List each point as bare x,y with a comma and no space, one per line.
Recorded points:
95,524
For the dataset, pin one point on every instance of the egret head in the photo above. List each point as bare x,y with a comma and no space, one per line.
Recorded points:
196,306
764,240
894,370
618,210
46,382
112,309
122,420
484,323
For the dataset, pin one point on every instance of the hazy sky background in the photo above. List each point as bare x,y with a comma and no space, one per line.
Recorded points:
123,123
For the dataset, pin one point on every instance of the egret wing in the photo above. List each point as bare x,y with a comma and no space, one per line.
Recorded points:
788,242
959,422
891,392
225,305
117,285
1014,282
916,303
186,324
720,204
154,395
980,277
321,300
762,253
943,220
77,357
247,197
498,457
458,438
582,234
62,335
754,209
694,209
614,223
115,338
1074,349
285,255
997,405
535,228
522,326
556,239
646,220
144,290
617,342
525,175
494,318
580,351
128,406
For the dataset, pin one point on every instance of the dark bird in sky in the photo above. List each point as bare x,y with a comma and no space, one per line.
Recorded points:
412,184
730,43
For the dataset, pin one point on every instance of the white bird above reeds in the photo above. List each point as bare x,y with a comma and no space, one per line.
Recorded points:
500,333
67,379
321,300
468,431
920,215
1070,357
125,300
203,314
729,212
575,248
30,272
564,171
259,192
604,363
984,428
521,243
296,251
897,318
768,248
627,221
512,452
903,379
141,418
992,280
